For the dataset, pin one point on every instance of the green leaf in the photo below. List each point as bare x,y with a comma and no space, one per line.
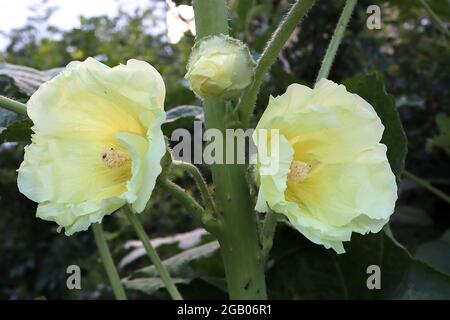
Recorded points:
372,89
436,253
176,263
27,79
8,117
150,285
18,131
441,141
200,268
181,117
318,273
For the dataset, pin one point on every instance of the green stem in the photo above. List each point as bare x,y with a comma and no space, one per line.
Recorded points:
268,232
270,54
153,255
211,223
211,17
435,18
108,262
200,182
336,39
13,105
238,239
427,186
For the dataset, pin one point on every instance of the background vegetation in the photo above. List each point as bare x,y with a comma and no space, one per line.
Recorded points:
410,53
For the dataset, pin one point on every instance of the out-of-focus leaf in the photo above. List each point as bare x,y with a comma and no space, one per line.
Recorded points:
150,285
181,117
371,88
406,215
7,118
176,263
18,131
426,283
197,265
318,273
436,253
441,141
26,79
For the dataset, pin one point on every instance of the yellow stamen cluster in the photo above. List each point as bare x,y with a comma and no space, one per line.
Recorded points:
114,158
299,171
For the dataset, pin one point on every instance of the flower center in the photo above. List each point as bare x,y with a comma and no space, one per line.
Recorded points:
299,171
114,158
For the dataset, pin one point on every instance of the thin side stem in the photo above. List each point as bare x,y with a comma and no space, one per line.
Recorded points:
108,262
440,24
336,39
208,200
153,255
13,105
270,54
427,186
211,223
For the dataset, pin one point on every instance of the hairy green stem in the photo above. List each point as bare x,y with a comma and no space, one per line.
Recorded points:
238,236
208,200
108,262
13,105
440,24
427,186
153,255
269,56
336,40
210,222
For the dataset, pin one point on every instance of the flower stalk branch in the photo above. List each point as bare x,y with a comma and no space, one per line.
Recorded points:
425,184
336,39
13,105
270,54
153,255
201,184
108,262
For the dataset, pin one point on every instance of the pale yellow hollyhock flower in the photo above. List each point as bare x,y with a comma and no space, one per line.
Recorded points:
97,142
219,66
333,176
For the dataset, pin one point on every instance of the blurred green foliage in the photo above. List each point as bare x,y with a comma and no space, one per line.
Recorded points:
410,52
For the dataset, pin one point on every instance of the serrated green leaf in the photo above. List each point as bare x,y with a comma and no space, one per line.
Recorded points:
372,89
18,131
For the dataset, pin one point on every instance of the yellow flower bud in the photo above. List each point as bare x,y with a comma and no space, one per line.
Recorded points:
219,66
97,142
333,175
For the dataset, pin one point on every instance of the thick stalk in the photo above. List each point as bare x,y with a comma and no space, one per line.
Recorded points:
270,54
336,39
239,241
13,105
108,262
153,255
268,232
